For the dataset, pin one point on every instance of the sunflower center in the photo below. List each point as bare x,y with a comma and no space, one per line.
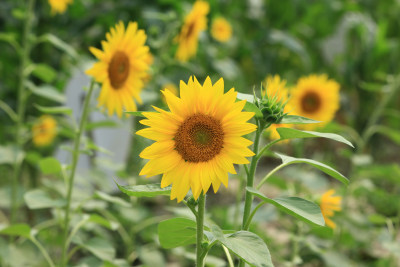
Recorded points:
118,69
199,138
189,30
311,102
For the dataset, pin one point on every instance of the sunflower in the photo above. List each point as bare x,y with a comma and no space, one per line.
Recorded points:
44,131
170,87
122,68
221,30
276,87
59,6
198,140
315,97
195,22
329,204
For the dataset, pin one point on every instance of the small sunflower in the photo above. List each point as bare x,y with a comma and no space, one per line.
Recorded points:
44,131
317,98
122,68
329,204
276,87
195,22
198,140
59,6
221,30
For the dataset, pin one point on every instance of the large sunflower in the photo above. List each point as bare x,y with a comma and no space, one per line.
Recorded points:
315,97
122,67
198,140
329,204
195,22
44,131
59,6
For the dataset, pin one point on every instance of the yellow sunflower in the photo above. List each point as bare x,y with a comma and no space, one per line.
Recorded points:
44,131
315,97
170,87
195,22
275,86
221,30
198,140
59,6
329,204
122,68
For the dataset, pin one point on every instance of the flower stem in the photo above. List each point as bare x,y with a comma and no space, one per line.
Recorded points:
24,53
75,157
199,230
42,250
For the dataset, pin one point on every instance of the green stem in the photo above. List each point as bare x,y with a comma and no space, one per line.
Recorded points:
200,229
26,48
228,256
270,174
75,157
42,250
247,225
250,178
262,151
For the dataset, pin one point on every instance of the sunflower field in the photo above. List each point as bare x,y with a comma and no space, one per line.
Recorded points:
212,133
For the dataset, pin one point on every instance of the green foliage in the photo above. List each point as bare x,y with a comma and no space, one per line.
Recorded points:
149,190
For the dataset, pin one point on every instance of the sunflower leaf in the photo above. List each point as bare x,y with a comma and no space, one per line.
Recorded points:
300,208
135,113
21,229
294,119
148,190
177,232
287,160
290,133
253,108
55,110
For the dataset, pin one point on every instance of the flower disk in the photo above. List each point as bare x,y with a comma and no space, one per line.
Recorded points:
329,204
195,22
59,6
315,97
198,140
44,131
122,68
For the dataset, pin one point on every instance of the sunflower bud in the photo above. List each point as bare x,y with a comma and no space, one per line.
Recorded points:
272,110
274,99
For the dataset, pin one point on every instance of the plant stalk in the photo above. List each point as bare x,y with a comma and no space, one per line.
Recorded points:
199,230
75,157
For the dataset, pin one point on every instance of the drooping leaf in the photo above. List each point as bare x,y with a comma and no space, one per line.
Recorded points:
50,165
253,108
112,199
55,110
246,245
177,232
287,160
39,199
295,206
21,229
148,190
47,91
44,72
294,119
99,247
290,133
95,218
60,44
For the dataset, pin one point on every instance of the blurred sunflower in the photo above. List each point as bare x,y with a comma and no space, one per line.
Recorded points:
44,131
329,204
59,6
315,97
195,22
221,30
122,68
276,87
198,140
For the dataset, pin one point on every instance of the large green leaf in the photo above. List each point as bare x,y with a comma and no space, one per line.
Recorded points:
60,44
295,206
47,91
99,247
44,72
50,165
287,160
177,232
39,199
289,133
17,230
246,245
147,190
294,119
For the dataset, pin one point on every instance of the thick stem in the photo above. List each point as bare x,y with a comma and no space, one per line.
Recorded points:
75,157
25,51
199,230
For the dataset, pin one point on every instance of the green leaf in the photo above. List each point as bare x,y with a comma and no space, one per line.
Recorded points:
99,247
39,199
289,133
50,166
100,124
294,119
47,91
60,44
148,190
295,206
112,199
55,110
44,72
94,218
17,230
246,245
135,113
253,108
177,232
247,97
392,134
287,160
